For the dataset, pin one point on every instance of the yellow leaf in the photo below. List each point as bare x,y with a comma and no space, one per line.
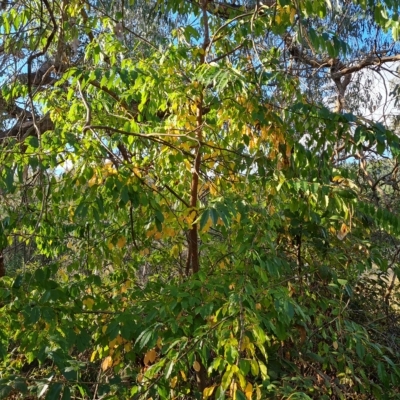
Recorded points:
183,375
144,252
244,344
137,172
213,189
242,379
188,165
207,226
107,363
173,381
109,169
88,302
71,213
168,231
150,357
93,356
248,391
110,245
292,15
121,242
233,389
92,181
159,343
263,370
238,217
175,250
258,391
104,328
128,347
208,391
335,345
196,366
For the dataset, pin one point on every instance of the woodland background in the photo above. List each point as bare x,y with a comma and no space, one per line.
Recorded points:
199,199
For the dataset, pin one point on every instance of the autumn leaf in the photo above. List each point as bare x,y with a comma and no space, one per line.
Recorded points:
183,375
150,357
127,347
93,356
248,391
196,366
344,230
92,181
121,242
88,302
107,363
208,391
173,382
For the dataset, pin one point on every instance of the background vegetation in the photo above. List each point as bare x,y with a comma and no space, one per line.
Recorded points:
199,199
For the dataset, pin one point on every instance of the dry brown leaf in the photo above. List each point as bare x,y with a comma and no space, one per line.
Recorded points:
150,357
196,366
344,230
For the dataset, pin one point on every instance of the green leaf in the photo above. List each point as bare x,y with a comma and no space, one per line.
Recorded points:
204,219
226,379
20,385
5,390
240,395
144,338
231,353
220,393
169,369
244,367
34,314
255,370
360,349
54,391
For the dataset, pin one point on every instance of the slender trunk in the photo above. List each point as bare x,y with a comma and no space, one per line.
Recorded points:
194,189
193,250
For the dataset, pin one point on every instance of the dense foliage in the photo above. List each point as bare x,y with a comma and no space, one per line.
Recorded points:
198,200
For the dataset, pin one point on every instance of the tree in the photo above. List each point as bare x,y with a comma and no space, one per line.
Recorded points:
195,225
